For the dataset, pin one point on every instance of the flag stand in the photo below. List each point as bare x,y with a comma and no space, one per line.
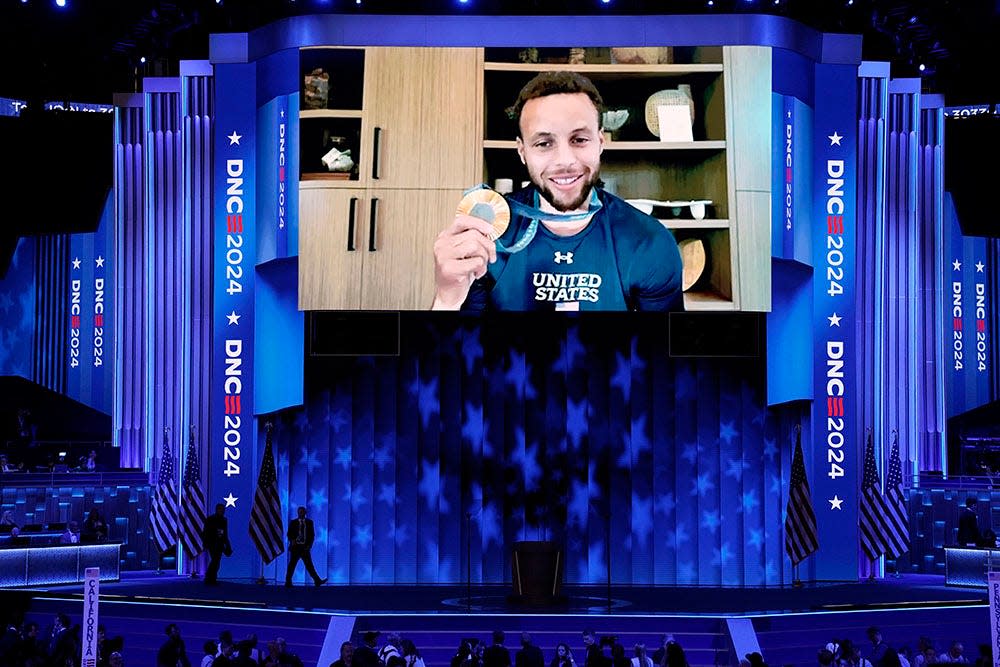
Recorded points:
796,582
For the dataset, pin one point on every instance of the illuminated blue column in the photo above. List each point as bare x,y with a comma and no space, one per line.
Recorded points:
928,450
128,425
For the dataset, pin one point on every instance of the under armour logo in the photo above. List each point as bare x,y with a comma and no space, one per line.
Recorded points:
564,257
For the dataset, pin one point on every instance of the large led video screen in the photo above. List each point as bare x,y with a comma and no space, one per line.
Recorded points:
534,179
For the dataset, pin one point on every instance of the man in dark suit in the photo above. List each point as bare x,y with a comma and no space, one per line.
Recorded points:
968,523
529,655
215,536
300,540
496,655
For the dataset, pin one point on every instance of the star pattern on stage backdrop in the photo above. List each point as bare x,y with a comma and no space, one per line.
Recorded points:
479,436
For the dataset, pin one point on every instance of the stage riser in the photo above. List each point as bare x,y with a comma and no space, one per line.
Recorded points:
142,626
796,639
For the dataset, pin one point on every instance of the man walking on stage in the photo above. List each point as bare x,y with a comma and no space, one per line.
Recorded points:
300,540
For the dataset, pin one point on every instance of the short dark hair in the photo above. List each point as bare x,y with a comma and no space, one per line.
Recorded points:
971,501
555,83
498,636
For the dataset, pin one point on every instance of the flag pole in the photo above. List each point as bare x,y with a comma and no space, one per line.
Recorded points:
191,440
261,581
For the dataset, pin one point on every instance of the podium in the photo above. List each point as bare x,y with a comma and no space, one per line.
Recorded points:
537,573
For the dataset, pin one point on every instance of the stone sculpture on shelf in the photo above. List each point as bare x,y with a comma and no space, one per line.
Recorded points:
338,161
316,91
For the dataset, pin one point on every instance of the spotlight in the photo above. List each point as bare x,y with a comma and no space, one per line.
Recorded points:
60,3
142,60
711,3
922,67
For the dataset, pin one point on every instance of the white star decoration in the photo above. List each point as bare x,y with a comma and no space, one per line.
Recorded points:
233,318
230,500
836,502
957,265
100,262
834,138
234,139
979,267
835,320
76,262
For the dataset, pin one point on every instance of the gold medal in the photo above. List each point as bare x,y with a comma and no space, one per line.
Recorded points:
488,205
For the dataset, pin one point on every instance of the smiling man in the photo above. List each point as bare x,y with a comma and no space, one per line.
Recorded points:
570,244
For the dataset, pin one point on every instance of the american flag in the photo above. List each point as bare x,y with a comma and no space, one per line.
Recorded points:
193,500
897,526
163,508
265,517
800,519
873,510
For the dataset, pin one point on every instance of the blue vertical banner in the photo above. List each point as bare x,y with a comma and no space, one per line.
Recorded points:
282,196
836,446
788,190
966,320
231,453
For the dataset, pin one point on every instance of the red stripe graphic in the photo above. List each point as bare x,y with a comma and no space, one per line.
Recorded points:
98,320
74,322
788,175
834,224
834,406
980,325
956,324
233,406
234,224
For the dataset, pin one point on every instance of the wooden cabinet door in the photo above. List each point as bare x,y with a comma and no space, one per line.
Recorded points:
399,257
330,251
423,120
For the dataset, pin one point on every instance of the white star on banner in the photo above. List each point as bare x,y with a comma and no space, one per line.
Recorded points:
957,265
100,262
282,113
76,262
230,500
835,320
233,318
234,139
979,267
834,138
835,503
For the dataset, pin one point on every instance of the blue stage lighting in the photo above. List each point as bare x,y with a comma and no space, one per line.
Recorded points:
142,60
60,3
711,3
922,67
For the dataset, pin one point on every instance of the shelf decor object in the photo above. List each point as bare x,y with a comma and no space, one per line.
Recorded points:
693,259
612,120
677,99
316,90
696,208
642,55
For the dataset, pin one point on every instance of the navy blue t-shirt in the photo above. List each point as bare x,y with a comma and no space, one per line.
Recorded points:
622,260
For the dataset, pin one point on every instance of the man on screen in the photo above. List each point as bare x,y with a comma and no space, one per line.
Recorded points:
590,250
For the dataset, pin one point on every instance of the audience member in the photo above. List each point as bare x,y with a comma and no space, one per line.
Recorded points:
497,654
850,655
954,654
594,657
968,523
640,659
366,655
466,656
346,655
63,646
755,659
32,652
209,647
6,465
225,657
411,656
88,463
94,527
925,647
116,660
172,652
71,535
8,519
985,658
389,655
673,656
528,655
618,657
286,657
825,657
563,657
879,646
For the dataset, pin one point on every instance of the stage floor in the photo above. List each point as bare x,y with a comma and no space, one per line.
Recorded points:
893,592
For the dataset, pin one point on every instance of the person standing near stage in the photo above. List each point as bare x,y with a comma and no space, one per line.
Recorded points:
172,653
968,523
301,534
215,537
497,655
366,655
529,655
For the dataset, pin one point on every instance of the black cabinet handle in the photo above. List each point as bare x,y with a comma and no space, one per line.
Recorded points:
371,225
376,146
350,223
